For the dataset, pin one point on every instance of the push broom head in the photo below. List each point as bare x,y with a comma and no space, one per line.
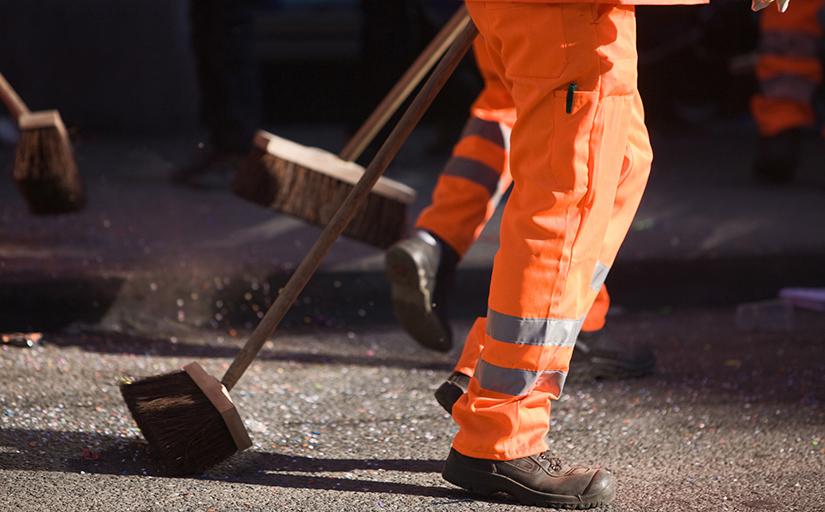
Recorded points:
44,165
187,418
310,184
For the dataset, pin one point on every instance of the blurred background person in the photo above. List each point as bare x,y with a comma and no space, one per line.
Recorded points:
392,35
227,74
789,71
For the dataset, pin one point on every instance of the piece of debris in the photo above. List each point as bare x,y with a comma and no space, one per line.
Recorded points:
21,339
804,298
768,315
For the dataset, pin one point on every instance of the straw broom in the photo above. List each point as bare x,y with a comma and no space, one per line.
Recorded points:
44,165
310,183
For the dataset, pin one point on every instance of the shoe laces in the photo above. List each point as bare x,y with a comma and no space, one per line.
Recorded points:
553,463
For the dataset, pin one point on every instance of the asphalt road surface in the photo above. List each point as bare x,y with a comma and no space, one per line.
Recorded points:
346,421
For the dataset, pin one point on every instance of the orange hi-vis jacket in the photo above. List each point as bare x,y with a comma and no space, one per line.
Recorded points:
614,2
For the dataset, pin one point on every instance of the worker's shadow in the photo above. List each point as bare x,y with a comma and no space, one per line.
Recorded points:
278,470
121,343
73,452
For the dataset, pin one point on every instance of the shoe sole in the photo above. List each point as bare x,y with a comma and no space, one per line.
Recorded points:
488,484
412,303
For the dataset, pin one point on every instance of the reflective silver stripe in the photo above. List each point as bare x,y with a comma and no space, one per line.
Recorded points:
599,275
791,87
789,44
506,131
546,332
474,171
514,382
488,130
552,382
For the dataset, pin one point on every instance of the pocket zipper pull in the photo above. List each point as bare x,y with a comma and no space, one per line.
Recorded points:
570,90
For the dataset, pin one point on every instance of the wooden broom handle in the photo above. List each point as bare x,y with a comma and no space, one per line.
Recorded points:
405,85
353,201
13,102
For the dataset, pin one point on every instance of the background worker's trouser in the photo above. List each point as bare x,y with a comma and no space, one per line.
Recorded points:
789,67
475,178
580,158
230,96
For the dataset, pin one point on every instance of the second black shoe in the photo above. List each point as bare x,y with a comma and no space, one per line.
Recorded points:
451,390
421,270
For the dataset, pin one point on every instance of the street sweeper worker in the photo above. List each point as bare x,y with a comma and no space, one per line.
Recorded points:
569,71
422,268
789,70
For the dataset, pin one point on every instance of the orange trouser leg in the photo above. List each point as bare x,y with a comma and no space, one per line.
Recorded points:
468,359
466,364
635,171
568,153
638,159
789,69
474,179
470,186
597,315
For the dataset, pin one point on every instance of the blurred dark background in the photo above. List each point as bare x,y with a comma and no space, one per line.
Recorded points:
162,89
130,66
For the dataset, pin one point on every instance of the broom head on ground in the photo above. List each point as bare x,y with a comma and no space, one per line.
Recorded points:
311,184
44,166
190,429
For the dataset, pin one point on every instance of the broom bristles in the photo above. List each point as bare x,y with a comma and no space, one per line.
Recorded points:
313,196
46,172
183,428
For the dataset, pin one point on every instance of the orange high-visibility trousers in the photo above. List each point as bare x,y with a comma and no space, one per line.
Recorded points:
580,159
789,67
475,178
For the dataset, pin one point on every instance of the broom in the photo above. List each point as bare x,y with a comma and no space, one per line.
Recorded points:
187,416
44,165
310,183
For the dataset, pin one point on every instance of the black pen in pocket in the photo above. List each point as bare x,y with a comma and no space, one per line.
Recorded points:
570,90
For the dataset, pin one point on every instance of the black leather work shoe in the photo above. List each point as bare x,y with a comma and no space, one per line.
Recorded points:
536,480
778,157
421,271
451,390
599,356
